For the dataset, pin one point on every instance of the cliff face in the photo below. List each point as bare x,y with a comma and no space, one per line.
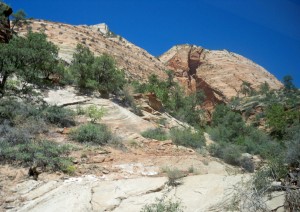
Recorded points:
5,32
219,73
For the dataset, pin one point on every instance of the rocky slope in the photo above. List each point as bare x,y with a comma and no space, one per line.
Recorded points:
110,179
137,63
219,73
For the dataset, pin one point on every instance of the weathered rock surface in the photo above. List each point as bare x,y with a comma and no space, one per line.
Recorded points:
219,73
137,63
90,193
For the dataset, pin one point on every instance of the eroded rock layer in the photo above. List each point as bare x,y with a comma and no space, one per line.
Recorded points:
219,73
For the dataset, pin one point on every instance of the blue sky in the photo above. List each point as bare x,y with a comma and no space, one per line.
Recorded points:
265,31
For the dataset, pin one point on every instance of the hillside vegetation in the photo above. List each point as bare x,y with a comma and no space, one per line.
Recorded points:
264,123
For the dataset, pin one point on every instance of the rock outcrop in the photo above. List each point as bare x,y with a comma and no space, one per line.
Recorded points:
5,32
137,63
219,74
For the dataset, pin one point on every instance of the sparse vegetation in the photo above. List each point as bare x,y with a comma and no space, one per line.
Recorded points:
157,134
162,205
21,125
174,176
175,102
188,138
92,133
45,154
95,113
128,100
59,116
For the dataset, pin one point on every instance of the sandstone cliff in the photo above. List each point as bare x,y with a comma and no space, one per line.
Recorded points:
219,73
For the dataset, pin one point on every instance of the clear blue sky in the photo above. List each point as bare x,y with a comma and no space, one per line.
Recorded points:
265,31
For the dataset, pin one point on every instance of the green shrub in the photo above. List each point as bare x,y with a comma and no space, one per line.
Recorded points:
59,116
247,164
79,110
95,113
185,137
163,206
91,133
231,154
157,134
174,99
292,155
45,154
117,143
174,176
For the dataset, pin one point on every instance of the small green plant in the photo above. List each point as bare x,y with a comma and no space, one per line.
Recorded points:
134,144
91,133
161,205
162,121
191,169
117,143
174,176
185,137
95,113
59,116
79,110
70,169
157,134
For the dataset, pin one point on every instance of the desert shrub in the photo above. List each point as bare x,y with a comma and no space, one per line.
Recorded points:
157,134
163,206
91,133
46,154
174,176
79,110
59,116
247,164
95,113
117,142
68,77
128,101
292,155
174,99
14,135
188,138
229,129
231,154
13,110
